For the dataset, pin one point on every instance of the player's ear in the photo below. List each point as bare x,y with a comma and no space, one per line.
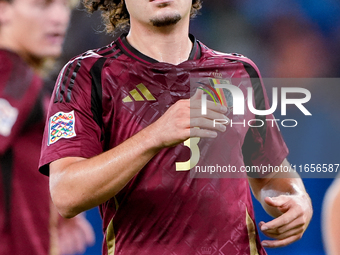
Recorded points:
5,12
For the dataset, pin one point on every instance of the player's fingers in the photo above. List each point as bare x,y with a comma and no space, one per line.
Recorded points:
61,241
293,231
213,115
280,221
65,244
297,223
281,243
79,242
87,231
198,94
204,123
198,132
216,107
197,104
261,223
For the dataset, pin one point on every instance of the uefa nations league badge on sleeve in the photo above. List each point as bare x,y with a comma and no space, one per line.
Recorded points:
61,125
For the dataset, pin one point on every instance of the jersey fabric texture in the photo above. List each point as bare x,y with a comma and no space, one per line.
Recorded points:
105,96
24,198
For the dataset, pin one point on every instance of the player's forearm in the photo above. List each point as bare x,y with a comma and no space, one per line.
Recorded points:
79,184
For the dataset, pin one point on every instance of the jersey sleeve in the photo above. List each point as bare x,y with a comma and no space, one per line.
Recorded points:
263,145
19,89
72,126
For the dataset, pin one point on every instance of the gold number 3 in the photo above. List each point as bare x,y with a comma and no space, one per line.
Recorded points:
192,143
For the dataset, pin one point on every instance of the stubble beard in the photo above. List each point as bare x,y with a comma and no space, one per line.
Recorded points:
166,21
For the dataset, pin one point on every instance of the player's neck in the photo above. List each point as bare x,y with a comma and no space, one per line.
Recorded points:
171,45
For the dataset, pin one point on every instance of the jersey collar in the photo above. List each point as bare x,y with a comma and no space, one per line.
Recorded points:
130,51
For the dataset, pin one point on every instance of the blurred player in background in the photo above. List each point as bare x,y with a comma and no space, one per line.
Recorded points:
31,34
331,219
114,137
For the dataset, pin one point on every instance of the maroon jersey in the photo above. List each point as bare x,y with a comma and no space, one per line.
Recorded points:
24,198
105,96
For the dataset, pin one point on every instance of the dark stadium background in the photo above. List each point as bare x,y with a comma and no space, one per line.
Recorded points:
291,38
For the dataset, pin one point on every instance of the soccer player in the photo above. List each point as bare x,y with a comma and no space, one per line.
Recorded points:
331,219
31,32
122,134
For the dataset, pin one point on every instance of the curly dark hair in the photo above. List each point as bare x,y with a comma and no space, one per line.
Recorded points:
115,15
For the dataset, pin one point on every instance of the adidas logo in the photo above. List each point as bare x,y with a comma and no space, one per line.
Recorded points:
137,95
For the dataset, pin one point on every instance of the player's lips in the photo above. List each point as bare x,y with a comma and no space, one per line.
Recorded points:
55,38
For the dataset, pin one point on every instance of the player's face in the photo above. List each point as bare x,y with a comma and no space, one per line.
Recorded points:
38,27
158,12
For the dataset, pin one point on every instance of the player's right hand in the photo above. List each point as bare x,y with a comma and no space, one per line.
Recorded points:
184,120
75,235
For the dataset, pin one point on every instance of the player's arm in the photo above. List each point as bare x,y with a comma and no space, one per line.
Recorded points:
283,196
78,184
331,219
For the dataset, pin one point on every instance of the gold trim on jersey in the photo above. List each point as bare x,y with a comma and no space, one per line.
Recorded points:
116,203
251,234
110,234
110,239
137,95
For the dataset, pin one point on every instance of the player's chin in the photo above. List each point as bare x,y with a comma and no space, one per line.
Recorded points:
53,51
165,20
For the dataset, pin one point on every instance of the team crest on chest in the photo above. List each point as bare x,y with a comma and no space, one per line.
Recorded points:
221,95
61,125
